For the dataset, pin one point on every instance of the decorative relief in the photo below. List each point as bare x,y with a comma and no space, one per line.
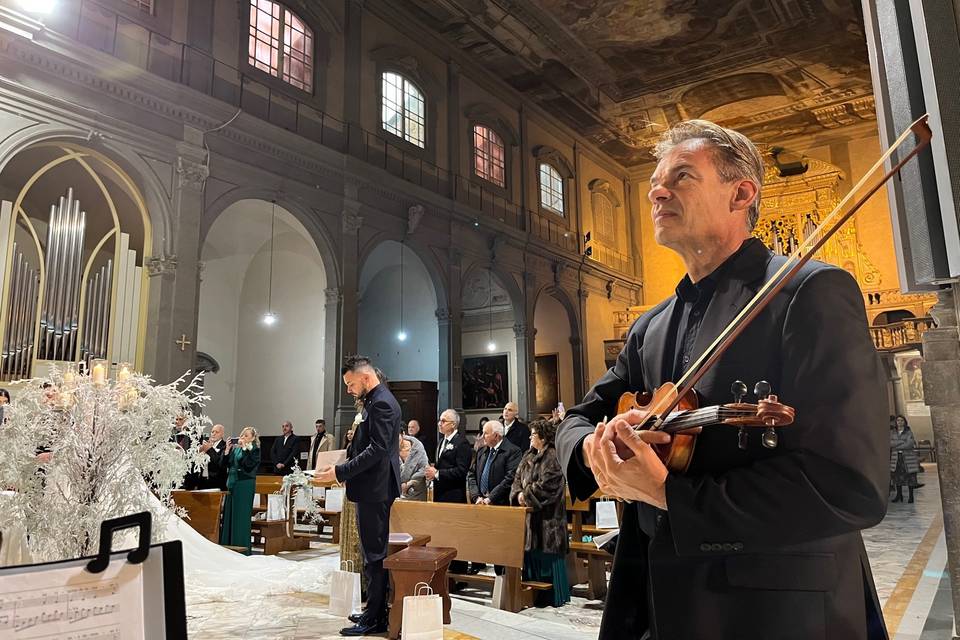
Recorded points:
352,221
332,295
192,174
162,265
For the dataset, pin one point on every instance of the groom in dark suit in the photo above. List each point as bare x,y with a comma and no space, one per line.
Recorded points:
372,477
751,542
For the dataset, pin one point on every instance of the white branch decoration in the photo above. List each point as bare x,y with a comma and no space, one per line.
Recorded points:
110,445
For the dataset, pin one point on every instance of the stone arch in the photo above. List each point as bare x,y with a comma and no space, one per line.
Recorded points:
566,301
325,243
506,279
423,253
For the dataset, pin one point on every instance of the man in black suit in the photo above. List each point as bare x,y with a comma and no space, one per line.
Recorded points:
514,429
372,477
449,474
751,542
489,480
218,466
284,450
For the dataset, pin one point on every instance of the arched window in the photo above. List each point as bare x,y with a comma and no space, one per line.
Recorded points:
489,155
281,44
603,218
403,110
551,188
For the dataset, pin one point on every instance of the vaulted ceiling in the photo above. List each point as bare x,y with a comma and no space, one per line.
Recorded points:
621,70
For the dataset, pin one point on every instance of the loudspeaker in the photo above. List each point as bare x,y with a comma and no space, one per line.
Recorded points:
915,63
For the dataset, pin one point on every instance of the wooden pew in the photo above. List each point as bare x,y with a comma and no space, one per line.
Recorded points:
204,510
597,559
275,532
479,533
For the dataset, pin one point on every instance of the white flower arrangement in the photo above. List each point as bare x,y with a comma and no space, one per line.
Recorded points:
110,445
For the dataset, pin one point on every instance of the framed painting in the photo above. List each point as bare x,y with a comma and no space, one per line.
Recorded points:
547,376
486,384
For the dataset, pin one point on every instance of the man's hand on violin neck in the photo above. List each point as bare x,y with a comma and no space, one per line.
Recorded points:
629,419
640,476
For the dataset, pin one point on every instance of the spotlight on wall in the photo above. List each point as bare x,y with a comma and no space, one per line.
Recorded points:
269,318
491,346
402,336
476,223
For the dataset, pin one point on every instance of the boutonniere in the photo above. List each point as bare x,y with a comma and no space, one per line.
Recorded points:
357,419
448,447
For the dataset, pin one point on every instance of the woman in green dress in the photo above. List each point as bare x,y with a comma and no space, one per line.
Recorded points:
243,460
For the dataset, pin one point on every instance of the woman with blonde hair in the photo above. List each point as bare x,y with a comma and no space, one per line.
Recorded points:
243,460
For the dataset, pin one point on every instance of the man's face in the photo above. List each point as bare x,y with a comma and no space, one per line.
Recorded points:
691,203
216,433
509,412
413,427
287,428
320,427
356,383
404,449
446,425
490,437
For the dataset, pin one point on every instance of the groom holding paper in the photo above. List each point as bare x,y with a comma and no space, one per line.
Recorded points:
374,483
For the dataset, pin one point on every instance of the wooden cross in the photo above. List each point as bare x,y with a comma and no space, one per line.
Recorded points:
183,342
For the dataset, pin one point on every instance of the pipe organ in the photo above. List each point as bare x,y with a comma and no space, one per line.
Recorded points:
74,297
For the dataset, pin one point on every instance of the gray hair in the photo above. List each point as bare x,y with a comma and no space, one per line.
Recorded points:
734,156
454,417
495,425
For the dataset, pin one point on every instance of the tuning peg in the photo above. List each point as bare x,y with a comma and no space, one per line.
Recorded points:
770,438
761,389
738,389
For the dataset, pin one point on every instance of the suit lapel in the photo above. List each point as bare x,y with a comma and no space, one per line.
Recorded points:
654,348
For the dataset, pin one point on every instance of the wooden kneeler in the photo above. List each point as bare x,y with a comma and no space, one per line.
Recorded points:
417,564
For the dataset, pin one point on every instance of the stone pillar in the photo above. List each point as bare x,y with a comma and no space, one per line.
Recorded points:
350,254
525,333
585,382
450,325
633,227
576,349
941,392
453,125
331,359
173,345
352,75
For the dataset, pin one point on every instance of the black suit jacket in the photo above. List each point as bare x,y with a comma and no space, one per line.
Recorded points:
453,463
218,466
756,543
502,469
284,453
519,435
372,473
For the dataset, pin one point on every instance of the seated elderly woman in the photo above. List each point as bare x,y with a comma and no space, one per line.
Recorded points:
413,466
539,485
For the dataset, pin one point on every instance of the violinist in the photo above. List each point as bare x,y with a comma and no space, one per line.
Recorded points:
756,537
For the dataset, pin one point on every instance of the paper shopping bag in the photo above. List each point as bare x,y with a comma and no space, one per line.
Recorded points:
422,615
276,507
334,499
607,515
345,591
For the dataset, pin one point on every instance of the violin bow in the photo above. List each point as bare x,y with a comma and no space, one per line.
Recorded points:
800,256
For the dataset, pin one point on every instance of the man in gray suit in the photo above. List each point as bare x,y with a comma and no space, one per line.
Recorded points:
413,483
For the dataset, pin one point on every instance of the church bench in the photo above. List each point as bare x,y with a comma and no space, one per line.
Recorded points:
597,560
277,535
204,511
480,533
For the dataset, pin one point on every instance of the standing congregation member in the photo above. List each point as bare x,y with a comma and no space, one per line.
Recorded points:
449,473
244,458
413,429
283,453
218,465
320,441
538,485
490,479
372,477
904,461
751,543
514,429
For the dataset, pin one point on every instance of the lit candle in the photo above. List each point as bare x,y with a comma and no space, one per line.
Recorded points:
99,374
124,374
69,377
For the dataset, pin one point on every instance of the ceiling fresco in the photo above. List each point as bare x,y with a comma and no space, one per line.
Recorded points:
622,70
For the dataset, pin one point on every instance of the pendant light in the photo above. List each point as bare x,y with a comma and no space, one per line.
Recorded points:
402,334
491,345
270,318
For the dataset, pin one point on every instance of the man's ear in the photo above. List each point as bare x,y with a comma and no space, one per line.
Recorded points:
744,195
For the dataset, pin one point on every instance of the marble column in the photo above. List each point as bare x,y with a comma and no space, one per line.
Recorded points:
331,358
450,326
350,259
941,392
171,347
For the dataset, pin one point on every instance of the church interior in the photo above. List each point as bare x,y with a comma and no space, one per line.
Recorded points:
458,189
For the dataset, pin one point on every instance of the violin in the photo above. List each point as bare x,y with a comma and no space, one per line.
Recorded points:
686,420
673,406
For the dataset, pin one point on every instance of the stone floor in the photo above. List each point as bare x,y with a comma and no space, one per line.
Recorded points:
907,553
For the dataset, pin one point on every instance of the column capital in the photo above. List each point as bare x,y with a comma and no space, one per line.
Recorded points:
352,221
162,265
191,174
523,330
332,295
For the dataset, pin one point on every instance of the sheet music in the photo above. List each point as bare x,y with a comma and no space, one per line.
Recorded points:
69,603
